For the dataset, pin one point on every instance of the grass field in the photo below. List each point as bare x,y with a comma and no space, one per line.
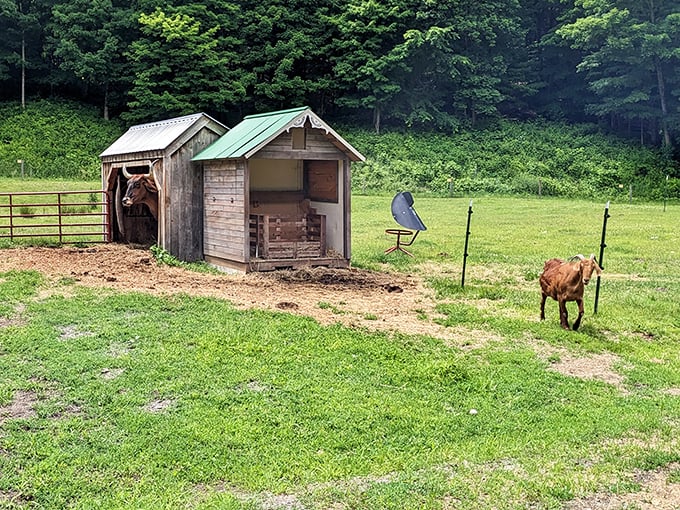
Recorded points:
146,402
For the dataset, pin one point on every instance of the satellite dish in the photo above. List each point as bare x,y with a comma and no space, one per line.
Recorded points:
404,213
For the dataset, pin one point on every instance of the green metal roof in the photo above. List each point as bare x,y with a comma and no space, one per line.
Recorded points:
256,131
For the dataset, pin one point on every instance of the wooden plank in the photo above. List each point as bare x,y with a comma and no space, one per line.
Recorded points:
322,180
224,235
226,264
322,236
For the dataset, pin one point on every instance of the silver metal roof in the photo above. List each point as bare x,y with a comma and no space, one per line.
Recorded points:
154,135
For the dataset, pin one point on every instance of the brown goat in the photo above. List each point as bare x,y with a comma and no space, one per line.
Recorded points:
565,281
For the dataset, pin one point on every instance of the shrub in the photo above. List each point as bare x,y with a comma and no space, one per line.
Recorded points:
509,158
55,139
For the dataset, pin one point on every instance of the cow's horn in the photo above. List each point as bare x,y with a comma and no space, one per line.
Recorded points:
126,173
152,174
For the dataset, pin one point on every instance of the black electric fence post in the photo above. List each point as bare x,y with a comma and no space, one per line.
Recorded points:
600,259
465,251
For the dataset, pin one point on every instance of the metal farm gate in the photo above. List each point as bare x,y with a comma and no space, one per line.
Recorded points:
68,216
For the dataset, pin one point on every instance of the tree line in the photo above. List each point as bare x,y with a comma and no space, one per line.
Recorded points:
437,65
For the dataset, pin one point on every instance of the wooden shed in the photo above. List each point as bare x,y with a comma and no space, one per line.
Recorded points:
167,147
276,194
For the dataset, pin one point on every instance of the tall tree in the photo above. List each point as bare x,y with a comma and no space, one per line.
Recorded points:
85,39
631,56
542,77
287,50
369,60
20,49
181,65
433,63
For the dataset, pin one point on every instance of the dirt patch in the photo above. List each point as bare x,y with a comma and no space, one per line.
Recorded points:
599,367
72,332
159,405
13,498
353,297
656,492
109,374
21,406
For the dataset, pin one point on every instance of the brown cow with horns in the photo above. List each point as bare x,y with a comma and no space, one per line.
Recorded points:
565,281
141,189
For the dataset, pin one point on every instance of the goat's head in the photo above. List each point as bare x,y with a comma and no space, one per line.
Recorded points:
587,266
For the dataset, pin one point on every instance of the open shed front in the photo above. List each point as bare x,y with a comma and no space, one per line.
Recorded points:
276,194
163,149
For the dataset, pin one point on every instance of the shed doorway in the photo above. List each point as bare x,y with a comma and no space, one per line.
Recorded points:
134,224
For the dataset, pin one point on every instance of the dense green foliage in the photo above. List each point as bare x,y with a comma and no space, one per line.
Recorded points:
527,158
126,400
53,139
416,63
509,157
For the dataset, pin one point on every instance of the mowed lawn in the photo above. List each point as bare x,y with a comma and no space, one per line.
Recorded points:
111,400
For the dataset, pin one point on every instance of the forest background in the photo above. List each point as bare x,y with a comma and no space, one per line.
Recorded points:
438,68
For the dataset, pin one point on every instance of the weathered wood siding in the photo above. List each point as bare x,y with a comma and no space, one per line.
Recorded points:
181,232
317,146
225,199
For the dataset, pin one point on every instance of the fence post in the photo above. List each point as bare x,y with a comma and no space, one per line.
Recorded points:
465,251
11,218
60,220
602,247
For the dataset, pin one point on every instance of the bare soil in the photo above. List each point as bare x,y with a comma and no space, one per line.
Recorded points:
372,300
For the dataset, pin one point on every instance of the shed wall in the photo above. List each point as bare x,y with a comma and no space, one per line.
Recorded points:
335,218
181,231
317,146
225,200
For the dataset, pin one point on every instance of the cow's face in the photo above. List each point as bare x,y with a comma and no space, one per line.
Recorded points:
140,188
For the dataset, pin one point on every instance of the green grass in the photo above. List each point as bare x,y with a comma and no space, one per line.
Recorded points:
184,402
81,212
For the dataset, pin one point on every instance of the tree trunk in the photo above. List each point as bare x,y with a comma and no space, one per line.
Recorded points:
661,84
23,71
376,119
664,107
106,101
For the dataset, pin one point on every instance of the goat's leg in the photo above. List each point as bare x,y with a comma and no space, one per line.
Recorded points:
544,296
563,314
577,322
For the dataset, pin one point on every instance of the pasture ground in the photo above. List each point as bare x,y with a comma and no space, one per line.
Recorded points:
106,355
